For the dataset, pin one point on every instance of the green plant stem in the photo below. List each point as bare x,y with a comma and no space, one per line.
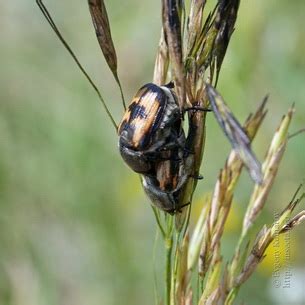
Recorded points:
187,221
121,90
154,268
174,269
157,215
168,259
231,296
168,272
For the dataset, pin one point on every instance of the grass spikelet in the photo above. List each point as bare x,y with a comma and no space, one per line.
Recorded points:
101,24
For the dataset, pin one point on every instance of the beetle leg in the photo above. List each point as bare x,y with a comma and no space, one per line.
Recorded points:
188,151
197,177
178,209
156,157
135,160
197,108
171,146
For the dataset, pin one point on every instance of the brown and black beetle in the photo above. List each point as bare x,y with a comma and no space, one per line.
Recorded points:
152,142
151,127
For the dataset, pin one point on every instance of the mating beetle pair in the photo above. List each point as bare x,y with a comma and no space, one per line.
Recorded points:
152,142
151,138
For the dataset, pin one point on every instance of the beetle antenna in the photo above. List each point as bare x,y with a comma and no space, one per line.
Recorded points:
48,17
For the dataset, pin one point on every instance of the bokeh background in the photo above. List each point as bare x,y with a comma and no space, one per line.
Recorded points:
75,226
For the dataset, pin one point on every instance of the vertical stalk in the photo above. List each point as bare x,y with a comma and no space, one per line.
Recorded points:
168,274
168,259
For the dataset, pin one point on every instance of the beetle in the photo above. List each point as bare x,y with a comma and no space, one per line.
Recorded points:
152,142
151,128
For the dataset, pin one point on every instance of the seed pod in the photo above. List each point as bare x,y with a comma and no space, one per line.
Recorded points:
195,23
102,28
172,30
269,169
162,62
227,14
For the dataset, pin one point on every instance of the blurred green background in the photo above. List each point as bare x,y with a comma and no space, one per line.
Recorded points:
75,226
